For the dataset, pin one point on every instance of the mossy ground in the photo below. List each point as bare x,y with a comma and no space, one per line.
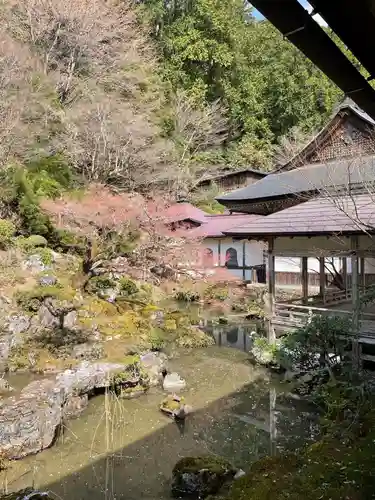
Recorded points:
332,469
132,322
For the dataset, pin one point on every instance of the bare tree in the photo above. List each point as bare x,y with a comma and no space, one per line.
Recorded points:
141,227
90,67
290,145
197,129
26,112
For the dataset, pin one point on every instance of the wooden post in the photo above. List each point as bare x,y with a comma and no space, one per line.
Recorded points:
271,290
362,267
219,253
345,275
322,279
355,303
244,260
273,423
305,280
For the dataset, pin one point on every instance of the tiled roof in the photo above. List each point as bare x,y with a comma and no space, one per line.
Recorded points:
347,105
183,211
335,215
231,173
350,104
216,225
309,178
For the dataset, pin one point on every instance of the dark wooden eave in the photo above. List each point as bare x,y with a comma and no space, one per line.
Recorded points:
296,24
353,23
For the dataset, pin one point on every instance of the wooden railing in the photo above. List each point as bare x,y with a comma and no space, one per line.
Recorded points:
331,296
336,296
287,317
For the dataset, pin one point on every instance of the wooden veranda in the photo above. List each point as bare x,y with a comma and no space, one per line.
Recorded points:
320,228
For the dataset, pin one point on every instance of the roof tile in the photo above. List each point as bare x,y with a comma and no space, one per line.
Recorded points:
309,178
328,215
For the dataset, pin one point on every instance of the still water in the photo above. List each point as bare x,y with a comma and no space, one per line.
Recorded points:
126,449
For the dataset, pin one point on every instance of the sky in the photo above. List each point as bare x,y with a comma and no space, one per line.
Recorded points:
307,6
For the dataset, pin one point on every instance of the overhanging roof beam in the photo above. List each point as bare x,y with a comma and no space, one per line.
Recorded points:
354,25
287,16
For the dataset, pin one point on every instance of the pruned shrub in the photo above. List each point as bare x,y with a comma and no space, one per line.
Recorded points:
31,242
7,230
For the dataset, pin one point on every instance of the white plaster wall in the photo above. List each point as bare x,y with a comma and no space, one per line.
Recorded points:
253,253
229,243
294,264
213,244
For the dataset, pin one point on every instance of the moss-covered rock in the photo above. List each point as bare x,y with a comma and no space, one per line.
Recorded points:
132,381
133,392
193,337
30,300
175,407
214,292
31,242
199,477
127,286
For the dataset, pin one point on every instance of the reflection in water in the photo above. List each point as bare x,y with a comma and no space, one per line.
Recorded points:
126,449
239,336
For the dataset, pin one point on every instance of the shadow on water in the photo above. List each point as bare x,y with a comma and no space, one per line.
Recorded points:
127,449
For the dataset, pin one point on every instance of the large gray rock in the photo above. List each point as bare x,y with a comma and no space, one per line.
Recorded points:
46,318
29,423
12,335
70,320
47,280
174,383
88,351
154,363
34,263
199,477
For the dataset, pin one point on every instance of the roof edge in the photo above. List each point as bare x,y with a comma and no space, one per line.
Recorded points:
338,115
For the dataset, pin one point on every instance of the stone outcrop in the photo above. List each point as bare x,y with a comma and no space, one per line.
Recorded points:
11,335
30,422
155,363
27,494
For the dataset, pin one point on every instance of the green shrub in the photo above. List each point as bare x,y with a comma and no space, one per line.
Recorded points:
65,240
187,296
34,221
127,286
323,336
49,175
156,338
30,300
100,283
7,230
216,293
33,241
44,253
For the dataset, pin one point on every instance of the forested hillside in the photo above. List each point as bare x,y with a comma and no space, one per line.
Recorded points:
147,94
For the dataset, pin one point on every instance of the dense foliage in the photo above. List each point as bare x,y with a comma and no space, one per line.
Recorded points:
98,100
216,50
